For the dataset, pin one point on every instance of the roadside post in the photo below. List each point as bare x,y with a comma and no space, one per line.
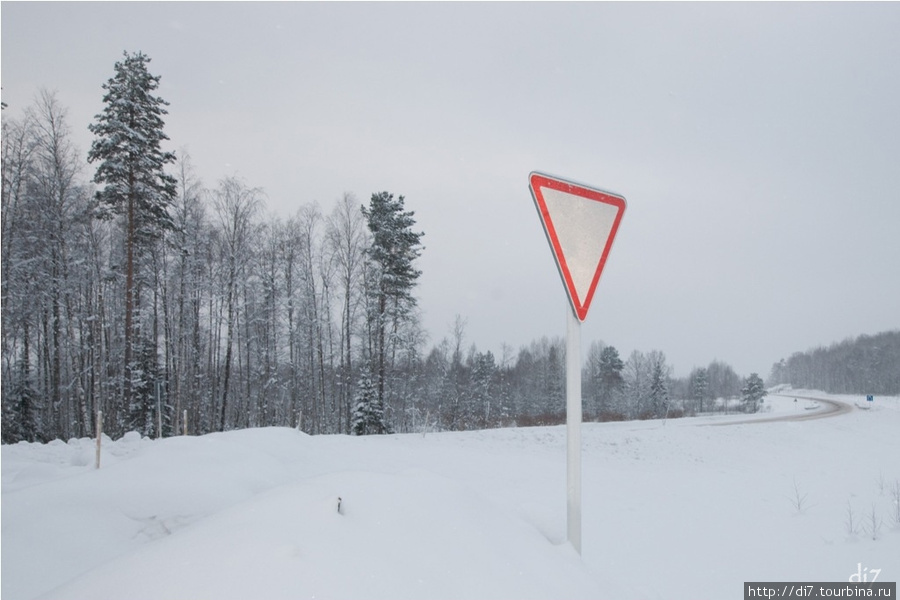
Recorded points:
580,223
99,438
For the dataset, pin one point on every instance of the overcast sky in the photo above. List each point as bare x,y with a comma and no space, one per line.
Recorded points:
757,146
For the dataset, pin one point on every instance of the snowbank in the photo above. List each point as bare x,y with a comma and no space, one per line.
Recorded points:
674,510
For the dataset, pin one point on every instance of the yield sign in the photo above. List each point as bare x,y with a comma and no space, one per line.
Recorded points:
580,223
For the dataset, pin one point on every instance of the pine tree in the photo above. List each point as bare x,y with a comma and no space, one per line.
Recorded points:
20,410
484,370
555,392
394,248
368,412
659,393
610,375
129,133
752,393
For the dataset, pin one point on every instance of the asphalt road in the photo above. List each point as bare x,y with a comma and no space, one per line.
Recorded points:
832,408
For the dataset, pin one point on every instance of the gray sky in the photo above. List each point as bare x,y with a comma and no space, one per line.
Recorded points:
757,146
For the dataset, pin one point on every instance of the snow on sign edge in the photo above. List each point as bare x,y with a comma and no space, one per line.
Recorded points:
571,230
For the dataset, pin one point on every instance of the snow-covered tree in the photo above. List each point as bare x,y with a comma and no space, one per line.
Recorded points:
646,379
236,205
482,388
367,417
752,393
505,405
346,237
659,391
723,382
699,388
637,384
610,378
867,364
131,169
20,411
395,247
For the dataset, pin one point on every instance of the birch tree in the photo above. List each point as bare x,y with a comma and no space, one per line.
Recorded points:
347,238
235,206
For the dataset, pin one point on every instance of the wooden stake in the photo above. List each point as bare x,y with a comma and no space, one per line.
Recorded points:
99,437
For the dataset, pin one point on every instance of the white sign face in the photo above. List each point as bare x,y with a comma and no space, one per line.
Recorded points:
580,224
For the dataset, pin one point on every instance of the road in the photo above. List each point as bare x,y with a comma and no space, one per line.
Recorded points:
833,409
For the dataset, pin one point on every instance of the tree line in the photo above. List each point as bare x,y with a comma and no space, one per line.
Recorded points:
867,364
133,293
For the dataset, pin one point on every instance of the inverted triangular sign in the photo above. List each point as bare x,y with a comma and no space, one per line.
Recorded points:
580,223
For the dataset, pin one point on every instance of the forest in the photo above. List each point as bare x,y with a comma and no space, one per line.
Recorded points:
137,298
867,364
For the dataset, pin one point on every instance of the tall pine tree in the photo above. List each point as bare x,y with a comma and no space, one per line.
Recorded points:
394,248
131,169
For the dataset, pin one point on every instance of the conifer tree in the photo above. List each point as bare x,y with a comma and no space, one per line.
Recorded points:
659,393
753,391
484,370
368,412
131,169
20,410
394,248
610,375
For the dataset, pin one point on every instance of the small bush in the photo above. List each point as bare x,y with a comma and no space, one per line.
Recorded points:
608,416
676,413
541,420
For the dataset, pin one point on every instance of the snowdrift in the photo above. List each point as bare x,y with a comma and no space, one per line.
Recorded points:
671,510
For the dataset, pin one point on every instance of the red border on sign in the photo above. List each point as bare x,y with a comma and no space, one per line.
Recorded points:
538,182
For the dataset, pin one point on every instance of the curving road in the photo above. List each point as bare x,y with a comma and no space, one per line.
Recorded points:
834,408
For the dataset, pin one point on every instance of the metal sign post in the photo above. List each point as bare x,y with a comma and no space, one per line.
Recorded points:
580,223
573,429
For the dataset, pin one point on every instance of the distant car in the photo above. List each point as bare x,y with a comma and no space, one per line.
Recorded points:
811,406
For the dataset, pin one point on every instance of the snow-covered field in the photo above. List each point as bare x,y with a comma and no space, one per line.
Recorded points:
681,510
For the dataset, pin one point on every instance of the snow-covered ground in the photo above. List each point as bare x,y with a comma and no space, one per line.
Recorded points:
681,510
